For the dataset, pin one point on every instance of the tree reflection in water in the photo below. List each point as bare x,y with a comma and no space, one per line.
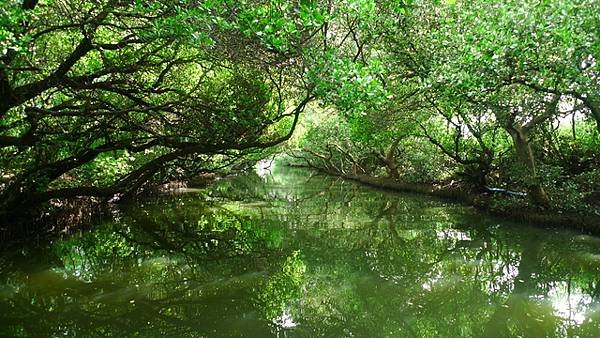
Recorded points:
299,254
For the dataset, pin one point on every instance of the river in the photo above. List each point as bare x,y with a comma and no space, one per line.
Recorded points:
290,253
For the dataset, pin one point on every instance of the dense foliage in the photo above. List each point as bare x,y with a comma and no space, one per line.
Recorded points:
489,94
107,98
101,98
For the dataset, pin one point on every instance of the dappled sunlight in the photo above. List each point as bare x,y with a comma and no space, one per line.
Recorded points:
570,304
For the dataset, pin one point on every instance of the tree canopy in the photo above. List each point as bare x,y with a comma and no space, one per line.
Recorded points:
108,98
499,94
102,97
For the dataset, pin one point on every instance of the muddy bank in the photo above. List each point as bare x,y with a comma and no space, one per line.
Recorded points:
588,223
64,216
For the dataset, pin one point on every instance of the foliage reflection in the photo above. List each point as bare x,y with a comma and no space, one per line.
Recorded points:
300,254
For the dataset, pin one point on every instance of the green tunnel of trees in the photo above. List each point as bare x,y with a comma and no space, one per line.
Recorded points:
104,99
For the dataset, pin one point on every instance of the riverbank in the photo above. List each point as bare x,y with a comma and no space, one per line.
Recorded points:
588,223
64,216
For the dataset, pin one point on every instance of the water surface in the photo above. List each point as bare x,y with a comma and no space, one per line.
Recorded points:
288,253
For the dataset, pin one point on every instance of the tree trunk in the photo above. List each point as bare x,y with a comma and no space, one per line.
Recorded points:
535,191
593,104
392,169
480,173
390,160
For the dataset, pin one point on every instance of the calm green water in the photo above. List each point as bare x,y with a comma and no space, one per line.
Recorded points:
290,254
